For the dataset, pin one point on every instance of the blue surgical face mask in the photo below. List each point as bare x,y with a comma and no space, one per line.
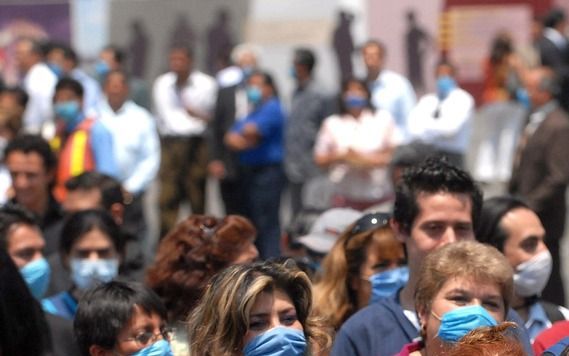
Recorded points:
355,101
70,112
102,68
445,84
88,273
292,73
159,348
36,274
279,341
387,283
459,322
254,95
56,69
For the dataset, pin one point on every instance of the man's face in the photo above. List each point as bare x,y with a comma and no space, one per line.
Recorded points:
180,62
64,95
81,199
25,58
443,218
108,57
116,89
25,244
373,58
537,95
30,179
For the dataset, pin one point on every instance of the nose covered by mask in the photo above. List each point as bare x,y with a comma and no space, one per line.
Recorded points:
459,322
532,276
69,112
387,283
279,341
159,348
36,274
86,274
445,84
355,101
254,95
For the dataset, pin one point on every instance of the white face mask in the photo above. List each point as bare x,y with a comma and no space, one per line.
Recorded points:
532,275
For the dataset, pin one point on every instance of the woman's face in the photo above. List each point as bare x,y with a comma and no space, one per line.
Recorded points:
525,235
269,311
354,89
459,292
142,330
383,253
258,81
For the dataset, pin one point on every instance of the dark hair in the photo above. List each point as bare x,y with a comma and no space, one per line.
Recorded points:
20,94
192,252
120,72
10,215
489,228
432,176
70,84
68,52
23,325
345,84
305,57
82,222
187,50
106,309
32,143
501,47
118,53
553,18
445,62
110,189
267,79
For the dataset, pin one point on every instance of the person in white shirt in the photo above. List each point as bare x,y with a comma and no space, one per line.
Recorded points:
389,90
183,100
443,119
356,147
38,82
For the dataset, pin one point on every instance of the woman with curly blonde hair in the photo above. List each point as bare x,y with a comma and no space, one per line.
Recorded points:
365,264
255,310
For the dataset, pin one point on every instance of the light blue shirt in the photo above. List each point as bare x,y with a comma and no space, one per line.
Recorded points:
136,144
91,91
393,92
102,145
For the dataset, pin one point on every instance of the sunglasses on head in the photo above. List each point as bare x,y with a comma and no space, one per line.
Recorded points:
370,221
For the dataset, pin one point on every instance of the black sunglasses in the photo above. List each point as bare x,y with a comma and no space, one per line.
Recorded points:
370,221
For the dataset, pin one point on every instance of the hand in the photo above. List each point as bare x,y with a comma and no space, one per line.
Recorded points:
235,141
216,169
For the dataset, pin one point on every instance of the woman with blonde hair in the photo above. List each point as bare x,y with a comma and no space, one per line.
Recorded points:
365,264
257,309
462,286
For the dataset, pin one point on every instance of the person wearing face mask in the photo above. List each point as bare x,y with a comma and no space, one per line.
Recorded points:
513,228
443,119
261,309
461,287
80,136
365,264
356,146
92,249
134,322
257,139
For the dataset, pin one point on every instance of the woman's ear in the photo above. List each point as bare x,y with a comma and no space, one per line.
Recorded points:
423,316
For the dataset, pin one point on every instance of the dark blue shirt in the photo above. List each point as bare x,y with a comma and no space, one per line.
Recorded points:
269,119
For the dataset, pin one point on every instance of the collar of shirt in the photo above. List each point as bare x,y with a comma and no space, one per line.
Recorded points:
537,117
556,37
537,320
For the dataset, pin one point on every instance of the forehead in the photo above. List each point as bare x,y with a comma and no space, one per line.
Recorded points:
94,239
22,234
476,287
372,49
115,78
82,199
65,94
21,160
443,205
522,221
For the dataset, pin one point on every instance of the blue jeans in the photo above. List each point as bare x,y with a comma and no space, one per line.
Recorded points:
262,187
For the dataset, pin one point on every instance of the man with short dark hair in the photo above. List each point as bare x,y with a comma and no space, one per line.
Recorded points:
541,170
436,204
307,112
32,164
389,90
38,81
86,144
183,100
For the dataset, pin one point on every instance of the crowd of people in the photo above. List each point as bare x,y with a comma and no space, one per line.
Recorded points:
402,255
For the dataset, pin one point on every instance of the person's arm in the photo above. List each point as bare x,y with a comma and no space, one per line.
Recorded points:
326,152
451,120
169,108
148,160
102,145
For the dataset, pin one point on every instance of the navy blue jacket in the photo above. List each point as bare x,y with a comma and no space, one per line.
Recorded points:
382,329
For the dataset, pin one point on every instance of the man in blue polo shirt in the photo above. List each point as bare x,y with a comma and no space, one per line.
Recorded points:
436,204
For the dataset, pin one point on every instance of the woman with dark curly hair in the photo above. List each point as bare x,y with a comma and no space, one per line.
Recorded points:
263,308
191,253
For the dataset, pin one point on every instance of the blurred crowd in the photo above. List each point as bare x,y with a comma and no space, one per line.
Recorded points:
391,248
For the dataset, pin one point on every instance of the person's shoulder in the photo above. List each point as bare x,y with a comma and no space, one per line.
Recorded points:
203,79
165,79
395,78
367,318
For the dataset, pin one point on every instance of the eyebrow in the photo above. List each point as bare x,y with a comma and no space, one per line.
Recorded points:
464,291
